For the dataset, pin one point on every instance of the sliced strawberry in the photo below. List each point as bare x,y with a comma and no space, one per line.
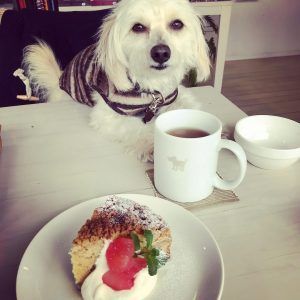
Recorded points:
135,265
118,263
121,245
118,281
119,253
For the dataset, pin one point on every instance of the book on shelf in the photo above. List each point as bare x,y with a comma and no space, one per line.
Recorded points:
50,5
54,5
22,4
30,4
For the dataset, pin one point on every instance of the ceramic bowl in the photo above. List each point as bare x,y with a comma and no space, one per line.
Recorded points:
270,142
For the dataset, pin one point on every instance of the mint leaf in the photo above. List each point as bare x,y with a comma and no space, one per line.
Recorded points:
152,255
154,252
152,263
136,241
149,238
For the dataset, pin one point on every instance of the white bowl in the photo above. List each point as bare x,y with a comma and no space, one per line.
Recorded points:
270,142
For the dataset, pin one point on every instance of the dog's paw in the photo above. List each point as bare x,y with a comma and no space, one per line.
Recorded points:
144,147
143,151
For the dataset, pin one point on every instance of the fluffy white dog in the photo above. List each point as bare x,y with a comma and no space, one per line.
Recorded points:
132,73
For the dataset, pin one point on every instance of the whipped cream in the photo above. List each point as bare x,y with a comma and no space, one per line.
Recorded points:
93,287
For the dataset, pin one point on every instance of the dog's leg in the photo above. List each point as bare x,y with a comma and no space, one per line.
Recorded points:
135,136
145,145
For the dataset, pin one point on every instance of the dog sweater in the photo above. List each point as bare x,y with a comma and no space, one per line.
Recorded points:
81,74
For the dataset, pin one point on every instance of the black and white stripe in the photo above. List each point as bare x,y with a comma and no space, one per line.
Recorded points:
81,74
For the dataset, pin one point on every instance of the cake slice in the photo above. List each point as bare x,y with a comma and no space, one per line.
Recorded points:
116,217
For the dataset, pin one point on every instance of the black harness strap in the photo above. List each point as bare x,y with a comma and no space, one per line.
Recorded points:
146,110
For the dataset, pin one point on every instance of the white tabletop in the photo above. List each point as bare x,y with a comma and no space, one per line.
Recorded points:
51,160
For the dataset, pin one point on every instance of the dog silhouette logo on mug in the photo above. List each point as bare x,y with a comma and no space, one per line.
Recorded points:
177,165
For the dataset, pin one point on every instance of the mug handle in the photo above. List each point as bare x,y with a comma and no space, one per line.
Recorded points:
238,151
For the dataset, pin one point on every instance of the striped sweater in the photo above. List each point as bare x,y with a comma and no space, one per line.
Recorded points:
81,74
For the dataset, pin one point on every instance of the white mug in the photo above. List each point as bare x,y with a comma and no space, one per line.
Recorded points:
185,167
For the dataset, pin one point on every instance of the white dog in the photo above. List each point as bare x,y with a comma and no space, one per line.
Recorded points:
132,73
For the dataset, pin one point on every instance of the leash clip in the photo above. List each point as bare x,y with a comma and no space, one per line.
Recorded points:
150,112
158,99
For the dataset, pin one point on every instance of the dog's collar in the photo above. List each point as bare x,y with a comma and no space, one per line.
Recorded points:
146,111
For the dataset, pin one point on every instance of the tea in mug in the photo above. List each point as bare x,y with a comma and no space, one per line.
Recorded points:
187,132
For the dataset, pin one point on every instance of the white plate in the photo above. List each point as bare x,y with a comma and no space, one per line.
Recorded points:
196,266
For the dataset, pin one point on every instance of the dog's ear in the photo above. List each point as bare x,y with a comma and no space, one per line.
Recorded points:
202,58
110,56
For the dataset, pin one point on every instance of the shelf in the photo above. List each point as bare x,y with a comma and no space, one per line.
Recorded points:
84,8
214,7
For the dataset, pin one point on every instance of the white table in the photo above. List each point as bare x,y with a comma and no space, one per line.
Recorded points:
51,160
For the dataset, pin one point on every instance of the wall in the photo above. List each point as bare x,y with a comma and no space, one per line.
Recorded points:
264,28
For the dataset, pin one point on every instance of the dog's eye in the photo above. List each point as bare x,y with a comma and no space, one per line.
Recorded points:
176,25
139,28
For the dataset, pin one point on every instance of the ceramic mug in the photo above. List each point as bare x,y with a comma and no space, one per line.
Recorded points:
185,167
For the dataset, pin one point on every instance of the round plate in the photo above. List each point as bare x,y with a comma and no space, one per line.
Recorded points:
195,270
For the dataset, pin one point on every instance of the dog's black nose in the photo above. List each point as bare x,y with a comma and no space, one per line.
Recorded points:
160,53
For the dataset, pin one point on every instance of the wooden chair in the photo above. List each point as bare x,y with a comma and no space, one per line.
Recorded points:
222,8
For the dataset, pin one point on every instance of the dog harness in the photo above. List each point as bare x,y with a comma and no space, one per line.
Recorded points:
83,76
146,111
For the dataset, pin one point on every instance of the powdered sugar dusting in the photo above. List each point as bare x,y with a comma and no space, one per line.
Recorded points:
177,279
120,208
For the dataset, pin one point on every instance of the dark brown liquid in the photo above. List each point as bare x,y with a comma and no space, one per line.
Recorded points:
187,132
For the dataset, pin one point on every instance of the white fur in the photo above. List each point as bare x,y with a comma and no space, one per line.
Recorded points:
122,52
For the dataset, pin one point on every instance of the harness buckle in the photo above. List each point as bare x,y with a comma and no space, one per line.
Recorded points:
153,107
158,99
